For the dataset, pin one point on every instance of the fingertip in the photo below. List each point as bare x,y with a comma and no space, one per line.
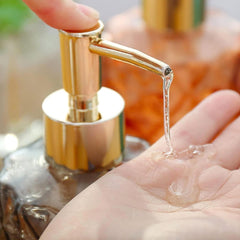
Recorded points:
91,13
85,18
227,95
227,101
77,17
67,15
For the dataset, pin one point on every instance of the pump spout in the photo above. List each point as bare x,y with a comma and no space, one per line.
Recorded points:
129,55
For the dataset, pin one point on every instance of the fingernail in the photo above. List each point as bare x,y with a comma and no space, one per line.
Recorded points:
90,12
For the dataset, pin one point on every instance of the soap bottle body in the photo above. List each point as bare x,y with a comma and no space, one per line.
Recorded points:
33,188
204,60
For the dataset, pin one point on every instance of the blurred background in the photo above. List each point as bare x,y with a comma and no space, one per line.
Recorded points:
107,8
30,65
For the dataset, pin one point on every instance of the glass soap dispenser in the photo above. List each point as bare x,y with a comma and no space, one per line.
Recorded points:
202,47
84,137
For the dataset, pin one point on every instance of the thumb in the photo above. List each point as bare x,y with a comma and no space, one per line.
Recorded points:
64,14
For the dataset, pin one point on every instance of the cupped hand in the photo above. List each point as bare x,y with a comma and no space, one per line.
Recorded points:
131,202
64,14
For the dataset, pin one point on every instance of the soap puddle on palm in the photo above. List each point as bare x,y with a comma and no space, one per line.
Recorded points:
182,183
184,170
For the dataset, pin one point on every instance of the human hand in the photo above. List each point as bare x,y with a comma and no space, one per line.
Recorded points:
64,14
130,202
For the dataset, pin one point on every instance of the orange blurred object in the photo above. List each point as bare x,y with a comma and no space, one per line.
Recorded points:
203,60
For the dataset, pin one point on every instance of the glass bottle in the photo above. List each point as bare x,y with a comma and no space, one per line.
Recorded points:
202,47
84,137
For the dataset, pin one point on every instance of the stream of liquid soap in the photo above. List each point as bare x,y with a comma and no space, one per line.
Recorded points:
184,190
167,80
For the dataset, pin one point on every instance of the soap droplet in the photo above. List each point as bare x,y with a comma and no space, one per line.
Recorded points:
183,192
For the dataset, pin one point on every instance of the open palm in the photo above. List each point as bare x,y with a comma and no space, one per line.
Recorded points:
134,201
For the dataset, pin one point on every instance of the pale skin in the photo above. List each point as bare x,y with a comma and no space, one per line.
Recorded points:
64,14
127,202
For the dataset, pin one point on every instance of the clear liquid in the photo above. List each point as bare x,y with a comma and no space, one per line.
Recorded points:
166,90
183,189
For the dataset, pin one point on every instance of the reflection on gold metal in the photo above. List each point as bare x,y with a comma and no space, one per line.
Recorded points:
178,15
84,124
80,71
83,111
129,55
82,145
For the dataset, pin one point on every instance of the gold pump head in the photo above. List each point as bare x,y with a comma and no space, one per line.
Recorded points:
176,15
84,123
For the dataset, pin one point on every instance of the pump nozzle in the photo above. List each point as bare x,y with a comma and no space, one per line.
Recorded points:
129,55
